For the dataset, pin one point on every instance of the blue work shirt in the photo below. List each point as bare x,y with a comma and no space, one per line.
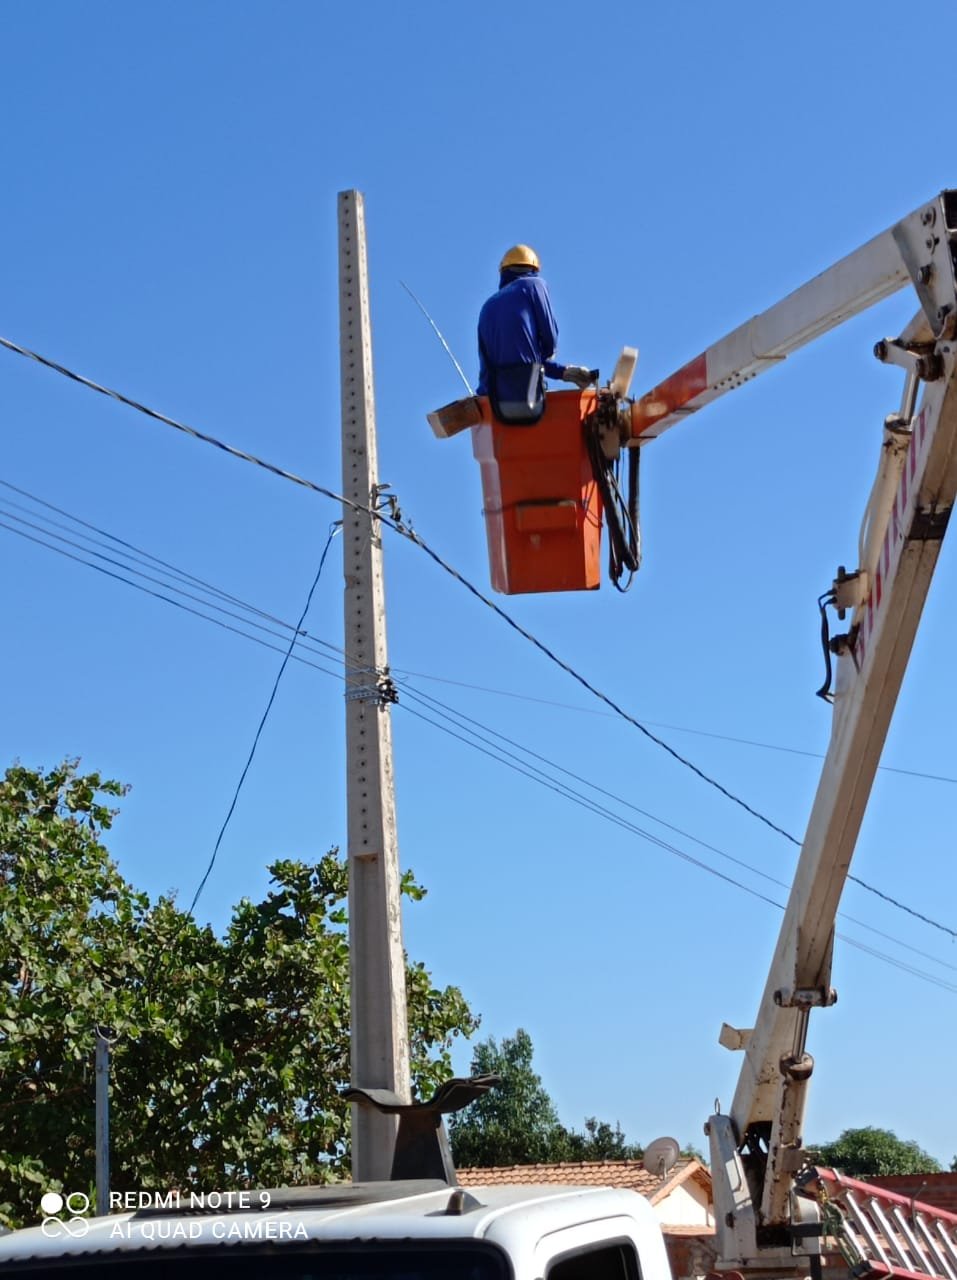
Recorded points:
516,329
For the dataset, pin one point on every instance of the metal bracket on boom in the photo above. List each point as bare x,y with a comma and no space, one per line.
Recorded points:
922,363
735,1038
928,254
805,997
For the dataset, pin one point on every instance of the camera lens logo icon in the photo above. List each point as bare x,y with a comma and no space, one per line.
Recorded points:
53,1205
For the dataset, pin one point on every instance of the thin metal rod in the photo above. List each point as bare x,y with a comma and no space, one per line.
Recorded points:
102,1168
418,303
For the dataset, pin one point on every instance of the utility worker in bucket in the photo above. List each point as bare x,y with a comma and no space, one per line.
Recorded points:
517,337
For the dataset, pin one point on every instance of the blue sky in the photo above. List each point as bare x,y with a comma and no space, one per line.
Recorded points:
170,229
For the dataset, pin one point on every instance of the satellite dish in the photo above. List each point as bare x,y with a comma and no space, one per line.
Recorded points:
661,1156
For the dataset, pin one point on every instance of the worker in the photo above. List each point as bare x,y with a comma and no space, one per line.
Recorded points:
517,337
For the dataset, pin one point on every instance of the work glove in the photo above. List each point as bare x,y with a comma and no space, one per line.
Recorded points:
578,374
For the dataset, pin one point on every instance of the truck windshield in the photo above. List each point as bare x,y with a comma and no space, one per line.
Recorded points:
233,1262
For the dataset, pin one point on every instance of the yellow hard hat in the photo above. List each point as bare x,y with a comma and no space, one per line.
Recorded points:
520,255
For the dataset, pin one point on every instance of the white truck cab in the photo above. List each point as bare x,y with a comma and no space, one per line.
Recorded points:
422,1230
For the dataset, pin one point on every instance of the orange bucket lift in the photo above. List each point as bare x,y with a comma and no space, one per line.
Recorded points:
545,487
542,507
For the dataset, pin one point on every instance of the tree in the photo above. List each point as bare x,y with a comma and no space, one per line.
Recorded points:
599,1142
516,1122
228,1053
871,1151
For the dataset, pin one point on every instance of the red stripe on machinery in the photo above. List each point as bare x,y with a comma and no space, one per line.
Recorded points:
893,539
674,393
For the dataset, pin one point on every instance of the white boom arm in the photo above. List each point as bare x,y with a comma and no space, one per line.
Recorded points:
757,1149
869,274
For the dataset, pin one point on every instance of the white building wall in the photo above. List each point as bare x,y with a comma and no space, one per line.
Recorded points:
686,1206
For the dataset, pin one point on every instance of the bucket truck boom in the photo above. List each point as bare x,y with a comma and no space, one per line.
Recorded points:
756,1149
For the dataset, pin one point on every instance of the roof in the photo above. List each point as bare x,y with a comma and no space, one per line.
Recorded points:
630,1174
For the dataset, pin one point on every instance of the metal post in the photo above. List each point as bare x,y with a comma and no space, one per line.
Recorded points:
380,1038
102,1167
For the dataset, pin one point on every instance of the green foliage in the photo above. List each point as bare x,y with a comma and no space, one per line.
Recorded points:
516,1122
229,1053
869,1151
599,1142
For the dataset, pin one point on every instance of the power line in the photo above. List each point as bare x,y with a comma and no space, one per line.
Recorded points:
435,705
127,549
661,724
301,633
460,716
532,773
262,723
561,789
396,523
138,556
424,675
180,426
898,964
683,855
422,697
158,595
138,572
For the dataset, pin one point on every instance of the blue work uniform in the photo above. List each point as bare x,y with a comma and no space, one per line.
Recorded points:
517,336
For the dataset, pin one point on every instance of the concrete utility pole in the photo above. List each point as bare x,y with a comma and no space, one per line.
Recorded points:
380,1037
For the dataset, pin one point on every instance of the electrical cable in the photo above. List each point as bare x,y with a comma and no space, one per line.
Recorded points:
241,454
825,689
426,675
561,789
439,708
397,525
131,551
406,531
621,517
411,692
898,964
158,595
885,897
139,555
617,820
660,724
334,529
138,572
537,775
603,697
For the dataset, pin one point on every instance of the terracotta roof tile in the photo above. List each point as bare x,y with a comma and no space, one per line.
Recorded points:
631,1174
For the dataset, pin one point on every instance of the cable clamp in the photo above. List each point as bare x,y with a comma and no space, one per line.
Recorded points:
387,502
380,693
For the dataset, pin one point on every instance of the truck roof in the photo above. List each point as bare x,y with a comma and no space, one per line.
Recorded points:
509,1217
